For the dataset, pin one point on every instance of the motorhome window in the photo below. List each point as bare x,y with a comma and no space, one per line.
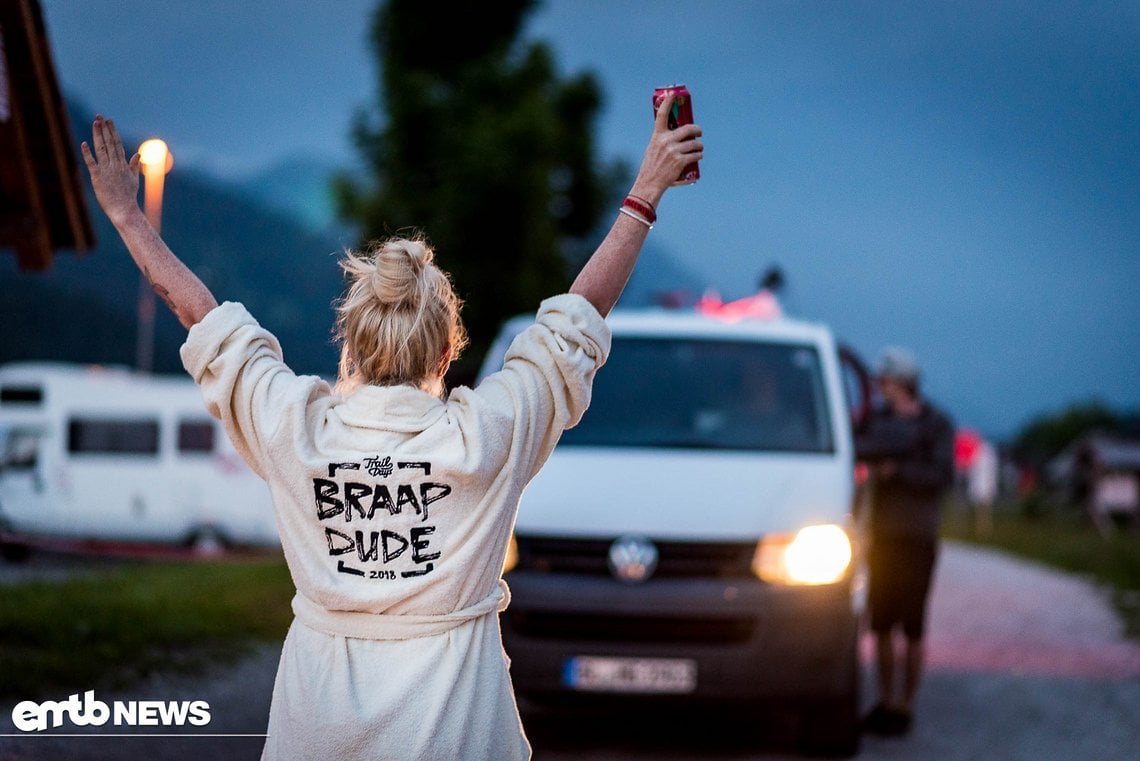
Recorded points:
19,448
700,394
196,436
21,395
101,436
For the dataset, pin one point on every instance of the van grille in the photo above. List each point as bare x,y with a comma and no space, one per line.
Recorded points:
608,628
675,559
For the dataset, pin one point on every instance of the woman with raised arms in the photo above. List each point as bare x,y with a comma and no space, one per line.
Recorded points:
395,502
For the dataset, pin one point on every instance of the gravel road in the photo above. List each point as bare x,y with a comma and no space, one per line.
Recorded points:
1025,663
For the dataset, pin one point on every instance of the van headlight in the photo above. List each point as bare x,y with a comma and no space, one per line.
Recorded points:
813,555
512,557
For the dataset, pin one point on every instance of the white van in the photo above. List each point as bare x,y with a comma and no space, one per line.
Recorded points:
690,541
105,455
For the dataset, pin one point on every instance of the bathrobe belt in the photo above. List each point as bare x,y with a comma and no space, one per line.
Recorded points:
360,625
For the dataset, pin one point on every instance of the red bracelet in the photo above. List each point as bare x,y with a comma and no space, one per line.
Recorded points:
642,208
639,198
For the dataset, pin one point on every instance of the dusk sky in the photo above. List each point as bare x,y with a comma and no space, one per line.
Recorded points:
962,178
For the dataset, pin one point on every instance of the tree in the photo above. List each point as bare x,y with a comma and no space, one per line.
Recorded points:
486,151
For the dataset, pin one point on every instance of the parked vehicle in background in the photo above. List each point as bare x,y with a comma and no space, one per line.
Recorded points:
90,454
690,540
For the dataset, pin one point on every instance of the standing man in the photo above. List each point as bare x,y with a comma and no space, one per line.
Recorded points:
909,447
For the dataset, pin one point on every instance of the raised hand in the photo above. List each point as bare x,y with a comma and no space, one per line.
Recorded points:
116,183
114,178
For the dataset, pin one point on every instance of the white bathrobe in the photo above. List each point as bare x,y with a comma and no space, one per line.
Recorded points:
394,510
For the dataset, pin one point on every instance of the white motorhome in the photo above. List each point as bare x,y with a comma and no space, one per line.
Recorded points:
690,541
106,455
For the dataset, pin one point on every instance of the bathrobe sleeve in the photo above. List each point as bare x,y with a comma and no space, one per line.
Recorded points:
545,384
245,382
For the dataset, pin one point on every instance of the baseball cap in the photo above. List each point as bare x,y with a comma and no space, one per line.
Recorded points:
898,363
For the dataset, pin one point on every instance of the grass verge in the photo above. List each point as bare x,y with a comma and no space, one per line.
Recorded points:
1061,537
113,627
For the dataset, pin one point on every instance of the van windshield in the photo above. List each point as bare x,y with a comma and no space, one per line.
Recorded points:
703,394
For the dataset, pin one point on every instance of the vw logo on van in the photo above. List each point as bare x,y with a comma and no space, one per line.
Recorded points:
632,559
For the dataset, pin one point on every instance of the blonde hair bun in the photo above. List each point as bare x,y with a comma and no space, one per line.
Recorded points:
396,270
399,315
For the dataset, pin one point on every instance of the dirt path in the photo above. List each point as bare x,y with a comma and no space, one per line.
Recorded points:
1025,663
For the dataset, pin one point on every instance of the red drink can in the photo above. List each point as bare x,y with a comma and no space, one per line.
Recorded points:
681,113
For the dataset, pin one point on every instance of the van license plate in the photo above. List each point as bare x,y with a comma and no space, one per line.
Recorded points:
655,675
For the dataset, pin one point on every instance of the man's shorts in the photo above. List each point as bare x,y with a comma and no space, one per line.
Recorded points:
901,569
